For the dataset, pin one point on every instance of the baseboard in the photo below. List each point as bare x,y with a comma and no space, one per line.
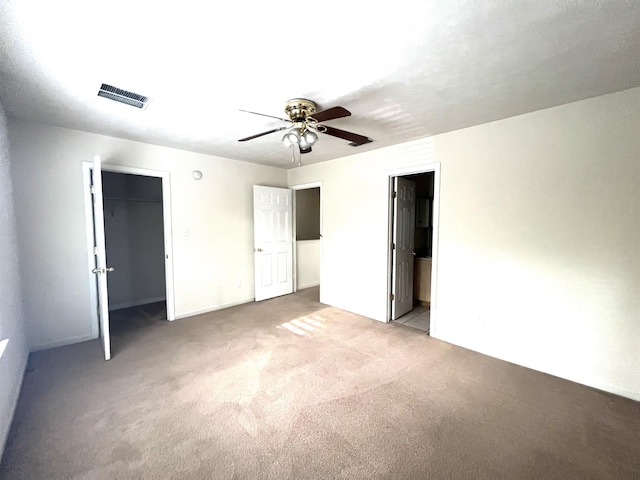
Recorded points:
62,343
135,303
598,384
14,404
213,309
308,285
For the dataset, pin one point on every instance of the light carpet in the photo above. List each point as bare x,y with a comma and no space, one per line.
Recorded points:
293,389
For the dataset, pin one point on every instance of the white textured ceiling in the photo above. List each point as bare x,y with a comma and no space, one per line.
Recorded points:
405,70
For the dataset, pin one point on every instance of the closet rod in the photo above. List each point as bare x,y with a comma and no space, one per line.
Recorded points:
142,200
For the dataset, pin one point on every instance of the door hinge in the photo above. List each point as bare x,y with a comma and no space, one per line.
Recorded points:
393,246
392,297
394,195
95,251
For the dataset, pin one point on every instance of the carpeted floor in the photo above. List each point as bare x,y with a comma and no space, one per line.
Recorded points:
292,389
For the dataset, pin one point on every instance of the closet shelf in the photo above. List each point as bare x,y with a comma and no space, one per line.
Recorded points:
141,200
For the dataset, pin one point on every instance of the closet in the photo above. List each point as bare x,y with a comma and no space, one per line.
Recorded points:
134,233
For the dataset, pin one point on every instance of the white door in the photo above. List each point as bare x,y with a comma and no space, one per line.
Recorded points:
404,218
100,254
273,241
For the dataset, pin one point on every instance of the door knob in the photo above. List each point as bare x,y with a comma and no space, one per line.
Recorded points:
258,249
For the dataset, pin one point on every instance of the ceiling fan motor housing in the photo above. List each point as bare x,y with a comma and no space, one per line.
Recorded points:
299,109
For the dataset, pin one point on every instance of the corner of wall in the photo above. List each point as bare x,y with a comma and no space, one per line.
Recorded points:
14,350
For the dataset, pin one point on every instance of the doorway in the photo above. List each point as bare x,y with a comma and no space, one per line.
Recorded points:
134,238
413,207
287,239
136,212
307,235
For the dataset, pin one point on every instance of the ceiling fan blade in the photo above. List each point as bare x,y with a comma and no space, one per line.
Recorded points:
261,134
265,115
330,114
355,139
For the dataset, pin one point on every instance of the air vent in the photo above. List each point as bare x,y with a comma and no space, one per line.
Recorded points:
123,96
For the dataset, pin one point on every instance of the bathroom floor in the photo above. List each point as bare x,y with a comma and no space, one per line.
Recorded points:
418,318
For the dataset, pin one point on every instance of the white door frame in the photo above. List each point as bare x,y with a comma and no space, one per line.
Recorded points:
304,186
168,238
401,172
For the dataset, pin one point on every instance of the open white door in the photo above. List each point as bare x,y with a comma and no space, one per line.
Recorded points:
404,218
273,241
100,253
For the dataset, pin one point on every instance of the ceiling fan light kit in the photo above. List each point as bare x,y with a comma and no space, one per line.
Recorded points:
302,136
308,138
305,123
292,137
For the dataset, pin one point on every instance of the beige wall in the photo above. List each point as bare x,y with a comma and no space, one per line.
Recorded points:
539,258
13,343
538,243
212,225
308,263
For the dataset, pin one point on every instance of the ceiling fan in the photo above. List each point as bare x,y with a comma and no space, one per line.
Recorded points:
304,123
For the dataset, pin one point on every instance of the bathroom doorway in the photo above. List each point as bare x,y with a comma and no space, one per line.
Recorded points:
412,226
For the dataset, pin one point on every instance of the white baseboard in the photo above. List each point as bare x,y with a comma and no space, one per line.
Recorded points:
135,303
14,404
62,343
598,384
308,285
213,309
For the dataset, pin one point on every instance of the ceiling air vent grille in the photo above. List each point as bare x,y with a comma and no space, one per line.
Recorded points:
123,96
